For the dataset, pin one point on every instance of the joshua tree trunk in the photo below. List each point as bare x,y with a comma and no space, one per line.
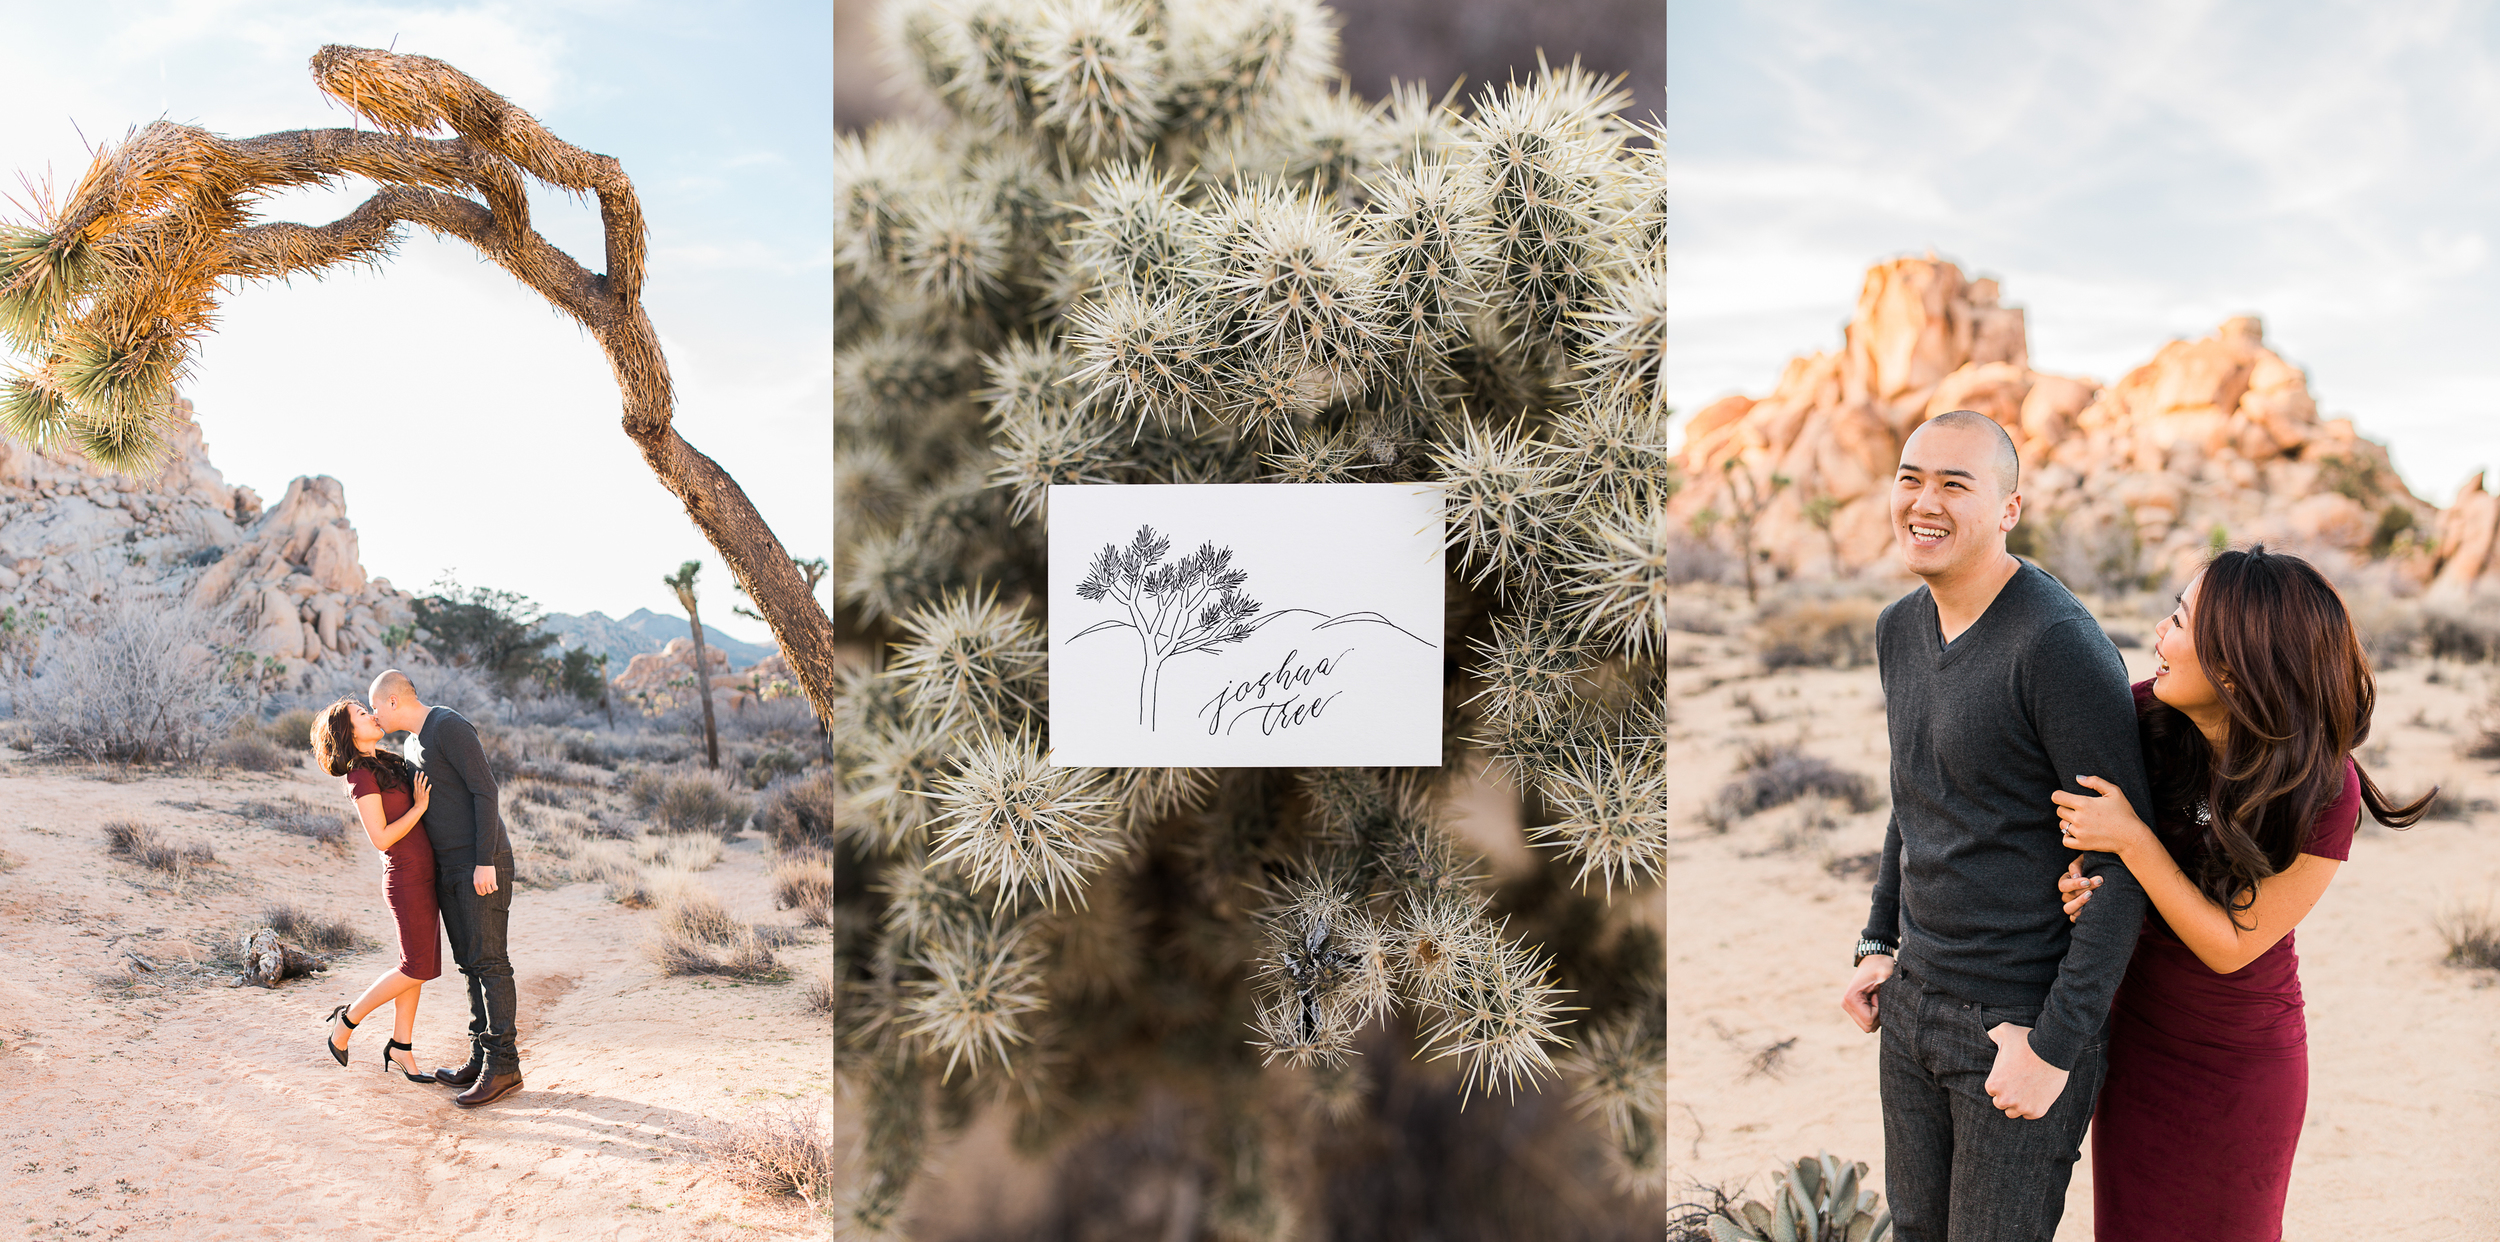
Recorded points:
703,686
178,198
682,582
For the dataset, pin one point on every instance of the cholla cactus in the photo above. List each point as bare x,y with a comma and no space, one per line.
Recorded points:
1148,241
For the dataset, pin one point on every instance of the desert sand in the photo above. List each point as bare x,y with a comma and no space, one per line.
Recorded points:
2404,1051
141,1105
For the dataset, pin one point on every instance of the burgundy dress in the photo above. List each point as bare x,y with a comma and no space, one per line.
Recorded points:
2208,1077
407,880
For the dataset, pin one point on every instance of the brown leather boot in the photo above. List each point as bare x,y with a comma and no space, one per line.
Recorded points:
464,1075
488,1089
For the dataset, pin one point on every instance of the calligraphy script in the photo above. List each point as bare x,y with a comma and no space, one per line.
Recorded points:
1280,698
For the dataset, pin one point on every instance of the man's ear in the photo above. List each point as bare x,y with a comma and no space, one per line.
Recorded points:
2013,512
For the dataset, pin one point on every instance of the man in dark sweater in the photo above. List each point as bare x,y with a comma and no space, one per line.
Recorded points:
1999,688
472,878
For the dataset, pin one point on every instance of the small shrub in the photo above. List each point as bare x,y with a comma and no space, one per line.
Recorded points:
692,854
1817,633
803,881
250,750
691,910
300,818
800,813
2468,631
817,994
744,956
136,685
772,764
318,934
292,730
2473,935
144,845
612,864
545,794
1776,774
785,1151
699,804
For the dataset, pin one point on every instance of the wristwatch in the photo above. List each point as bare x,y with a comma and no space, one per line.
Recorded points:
1870,947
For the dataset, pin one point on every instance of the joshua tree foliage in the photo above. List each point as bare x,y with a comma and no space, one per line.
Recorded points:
682,582
112,288
1153,243
1169,606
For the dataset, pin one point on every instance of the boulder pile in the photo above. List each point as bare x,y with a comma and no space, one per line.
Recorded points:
73,536
2126,484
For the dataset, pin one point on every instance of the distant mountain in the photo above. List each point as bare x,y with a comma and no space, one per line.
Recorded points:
642,631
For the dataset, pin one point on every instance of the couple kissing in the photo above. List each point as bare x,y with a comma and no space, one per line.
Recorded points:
446,860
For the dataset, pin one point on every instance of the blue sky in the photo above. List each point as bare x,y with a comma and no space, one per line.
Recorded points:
2132,172
475,429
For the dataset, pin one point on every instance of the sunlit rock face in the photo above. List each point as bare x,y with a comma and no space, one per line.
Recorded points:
73,536
2216,439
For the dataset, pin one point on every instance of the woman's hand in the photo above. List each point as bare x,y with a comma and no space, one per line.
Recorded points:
2074,888
2102,822
424,793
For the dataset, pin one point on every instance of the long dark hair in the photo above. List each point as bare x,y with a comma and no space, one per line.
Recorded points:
2281,651
334,748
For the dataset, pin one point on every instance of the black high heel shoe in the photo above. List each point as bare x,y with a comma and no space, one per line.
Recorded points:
337,1053
388,1063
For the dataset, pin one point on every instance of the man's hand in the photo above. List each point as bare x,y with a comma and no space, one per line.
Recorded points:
485,880
2022,1084
1860,1000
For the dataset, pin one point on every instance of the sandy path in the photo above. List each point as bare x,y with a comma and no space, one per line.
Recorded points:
213,1113
2404,1051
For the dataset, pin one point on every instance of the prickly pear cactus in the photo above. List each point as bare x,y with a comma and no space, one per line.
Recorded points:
1153,242
1820,1200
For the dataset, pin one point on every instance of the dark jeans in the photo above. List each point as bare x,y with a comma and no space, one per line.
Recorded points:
476,927
1957,1169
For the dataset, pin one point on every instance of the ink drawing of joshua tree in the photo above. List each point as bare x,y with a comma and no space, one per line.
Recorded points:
1169,605
1192,605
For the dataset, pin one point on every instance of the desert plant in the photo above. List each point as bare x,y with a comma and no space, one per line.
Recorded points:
250,749
1208,266
300,818
744,955
1808,631
776,1150
803,881
134,683
143,844
292,729
2472,933
1819,1200
313,932
682,582
697,803
1774,774
800,812
112,288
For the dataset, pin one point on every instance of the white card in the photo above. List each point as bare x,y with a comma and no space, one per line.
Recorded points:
1246,625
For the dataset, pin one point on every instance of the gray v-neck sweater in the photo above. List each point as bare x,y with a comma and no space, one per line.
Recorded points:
2031,696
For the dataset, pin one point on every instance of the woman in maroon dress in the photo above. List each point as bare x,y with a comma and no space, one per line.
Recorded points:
2248,727
390,799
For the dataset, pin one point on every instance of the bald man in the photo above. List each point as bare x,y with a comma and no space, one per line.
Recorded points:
472,878
1999,690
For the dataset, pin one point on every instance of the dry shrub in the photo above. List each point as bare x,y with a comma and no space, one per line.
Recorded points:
818,993
800,812
2466,630
698,803
785,1150
1777,773
691,910
291,730
692,855
803,881
250,750
529,789
144,845
611,863
299,818
744,956
2472,933
137,683
315,933
1812,632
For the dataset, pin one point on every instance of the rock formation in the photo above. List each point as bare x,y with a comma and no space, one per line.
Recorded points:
73,535
2132,482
